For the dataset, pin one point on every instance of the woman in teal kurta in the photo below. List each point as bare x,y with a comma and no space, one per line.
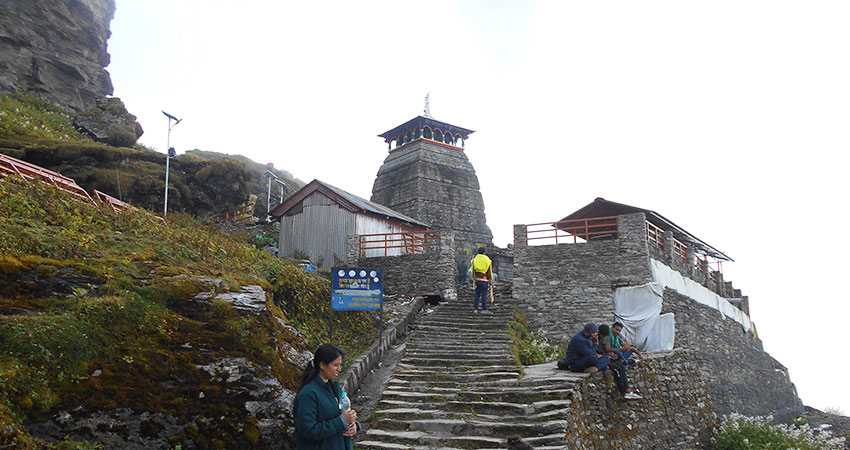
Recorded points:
319,422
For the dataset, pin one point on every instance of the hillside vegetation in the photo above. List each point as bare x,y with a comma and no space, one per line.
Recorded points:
115,315
200,183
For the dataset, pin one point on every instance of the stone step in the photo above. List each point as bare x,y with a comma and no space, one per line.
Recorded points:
457,369
412,412
473,427
499,378
421,439
482,353
478,407
449,360
475,341
509,386
446,346
518,396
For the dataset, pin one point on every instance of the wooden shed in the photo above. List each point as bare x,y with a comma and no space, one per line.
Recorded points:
317,220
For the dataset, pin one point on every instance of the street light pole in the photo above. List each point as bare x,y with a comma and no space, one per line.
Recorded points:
170,154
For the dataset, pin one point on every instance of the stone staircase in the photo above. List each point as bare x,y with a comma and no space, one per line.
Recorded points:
459,387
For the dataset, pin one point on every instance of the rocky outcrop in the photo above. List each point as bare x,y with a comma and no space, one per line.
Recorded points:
208,398
56,49
109,122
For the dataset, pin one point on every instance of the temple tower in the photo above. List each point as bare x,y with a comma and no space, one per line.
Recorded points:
427,176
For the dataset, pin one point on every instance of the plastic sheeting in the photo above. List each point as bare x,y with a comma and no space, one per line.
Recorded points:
639,309
672,279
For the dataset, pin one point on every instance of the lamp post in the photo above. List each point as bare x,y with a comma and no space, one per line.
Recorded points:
171,154
269,174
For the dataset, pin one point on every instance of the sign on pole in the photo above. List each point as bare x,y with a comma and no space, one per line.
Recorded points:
356,289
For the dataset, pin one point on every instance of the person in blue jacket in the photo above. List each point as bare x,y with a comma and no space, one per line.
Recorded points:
582,355
320,424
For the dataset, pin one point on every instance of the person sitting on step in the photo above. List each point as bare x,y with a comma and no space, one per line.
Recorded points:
581,352
617,344
617,365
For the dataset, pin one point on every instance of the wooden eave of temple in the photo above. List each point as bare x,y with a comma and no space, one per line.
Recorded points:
606,208
422,127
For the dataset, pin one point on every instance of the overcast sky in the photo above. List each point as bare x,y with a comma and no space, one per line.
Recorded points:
729,118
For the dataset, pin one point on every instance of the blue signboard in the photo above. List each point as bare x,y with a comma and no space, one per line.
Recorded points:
356,289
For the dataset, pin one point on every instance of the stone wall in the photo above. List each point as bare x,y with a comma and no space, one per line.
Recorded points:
740,376
560,287
436,185
675,412
431,273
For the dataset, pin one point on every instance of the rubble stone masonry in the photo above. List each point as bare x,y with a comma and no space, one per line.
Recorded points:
435,184
560,287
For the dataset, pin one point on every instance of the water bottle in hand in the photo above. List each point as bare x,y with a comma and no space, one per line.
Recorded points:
344,402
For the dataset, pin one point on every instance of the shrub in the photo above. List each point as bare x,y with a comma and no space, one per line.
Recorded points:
120,136
738,432
531,348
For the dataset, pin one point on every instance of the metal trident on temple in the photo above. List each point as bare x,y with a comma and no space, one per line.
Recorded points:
428,105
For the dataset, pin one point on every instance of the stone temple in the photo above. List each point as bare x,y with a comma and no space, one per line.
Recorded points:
428,177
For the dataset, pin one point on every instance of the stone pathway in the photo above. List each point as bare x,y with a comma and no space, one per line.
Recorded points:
459,387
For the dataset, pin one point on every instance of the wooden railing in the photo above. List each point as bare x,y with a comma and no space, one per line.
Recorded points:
655,235
408,242
572,231
241,214
15,167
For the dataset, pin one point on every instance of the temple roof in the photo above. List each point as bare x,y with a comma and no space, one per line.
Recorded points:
605,208
346,200
422,121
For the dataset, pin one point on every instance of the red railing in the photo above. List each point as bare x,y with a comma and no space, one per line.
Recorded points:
15,167
113,203
241,214
680,249
408,242
655,235
12,166
572,231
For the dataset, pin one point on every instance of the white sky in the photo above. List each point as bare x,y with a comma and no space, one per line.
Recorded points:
730,118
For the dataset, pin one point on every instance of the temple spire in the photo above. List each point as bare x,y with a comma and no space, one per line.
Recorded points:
427,111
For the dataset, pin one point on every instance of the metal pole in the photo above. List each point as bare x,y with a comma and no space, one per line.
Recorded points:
167,160
332,323
269,198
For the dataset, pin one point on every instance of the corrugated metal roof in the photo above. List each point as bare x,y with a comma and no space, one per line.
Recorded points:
604,208
346,199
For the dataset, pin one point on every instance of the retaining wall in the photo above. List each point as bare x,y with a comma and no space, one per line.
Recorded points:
675,412
431,273
740,376
560,287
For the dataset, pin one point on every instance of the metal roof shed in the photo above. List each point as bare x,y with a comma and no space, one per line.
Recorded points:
317,220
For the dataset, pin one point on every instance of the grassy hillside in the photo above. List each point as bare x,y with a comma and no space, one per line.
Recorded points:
100,311
201,183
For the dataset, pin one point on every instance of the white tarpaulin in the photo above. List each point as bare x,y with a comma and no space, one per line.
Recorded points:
638,308
672,279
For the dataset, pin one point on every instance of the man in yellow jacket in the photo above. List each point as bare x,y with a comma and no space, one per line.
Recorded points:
482,269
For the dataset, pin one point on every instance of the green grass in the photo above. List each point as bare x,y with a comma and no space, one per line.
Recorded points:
24,115
128,324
